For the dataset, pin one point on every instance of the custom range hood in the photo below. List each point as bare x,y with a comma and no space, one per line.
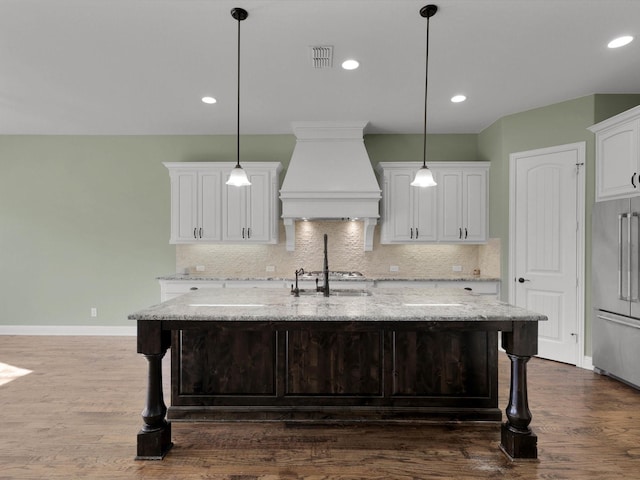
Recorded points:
330,177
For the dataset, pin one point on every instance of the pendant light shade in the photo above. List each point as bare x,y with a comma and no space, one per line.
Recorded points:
238,177
424,176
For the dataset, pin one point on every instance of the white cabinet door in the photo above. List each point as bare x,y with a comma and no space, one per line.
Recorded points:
209,206
462,216
425,214
233,215
258,210
184,209
249,213
409,213
397,213
195,206
617,155
474,208
450,228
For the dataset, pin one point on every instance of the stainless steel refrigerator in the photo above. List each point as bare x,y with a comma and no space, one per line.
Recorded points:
616,289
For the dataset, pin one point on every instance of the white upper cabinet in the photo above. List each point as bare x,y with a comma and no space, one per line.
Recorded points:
205,210
250,214
409,213
454,211
618,156
195,205
462,192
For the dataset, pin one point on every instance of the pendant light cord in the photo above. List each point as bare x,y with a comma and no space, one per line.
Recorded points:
238,116
426,83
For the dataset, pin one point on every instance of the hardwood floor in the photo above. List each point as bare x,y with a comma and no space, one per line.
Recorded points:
77,415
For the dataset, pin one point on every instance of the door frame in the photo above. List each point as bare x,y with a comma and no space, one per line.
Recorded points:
580,148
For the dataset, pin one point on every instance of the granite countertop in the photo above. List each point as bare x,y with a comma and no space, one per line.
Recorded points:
193,277
443,278
380,304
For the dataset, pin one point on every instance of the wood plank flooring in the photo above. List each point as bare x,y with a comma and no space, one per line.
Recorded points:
77,414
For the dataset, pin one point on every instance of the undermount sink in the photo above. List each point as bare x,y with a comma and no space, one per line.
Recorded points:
345,292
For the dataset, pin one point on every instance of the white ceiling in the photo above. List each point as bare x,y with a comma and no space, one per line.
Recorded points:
141,66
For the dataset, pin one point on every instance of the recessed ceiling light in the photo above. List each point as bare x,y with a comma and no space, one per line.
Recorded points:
350,64
458,98
209,100
620,41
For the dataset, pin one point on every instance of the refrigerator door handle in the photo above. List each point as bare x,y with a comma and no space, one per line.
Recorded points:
621,217
618,320
633,259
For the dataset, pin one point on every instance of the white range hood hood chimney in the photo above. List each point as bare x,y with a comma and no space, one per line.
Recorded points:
330,177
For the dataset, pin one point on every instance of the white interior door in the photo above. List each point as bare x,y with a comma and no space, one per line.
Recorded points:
546,245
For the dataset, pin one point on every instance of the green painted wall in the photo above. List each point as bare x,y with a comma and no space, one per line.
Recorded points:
409,148
607,106
557,124
84,221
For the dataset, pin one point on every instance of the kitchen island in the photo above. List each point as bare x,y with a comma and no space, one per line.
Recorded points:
358,355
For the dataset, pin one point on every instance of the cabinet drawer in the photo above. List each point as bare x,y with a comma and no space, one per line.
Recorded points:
255,284
482,288
479,287
173,288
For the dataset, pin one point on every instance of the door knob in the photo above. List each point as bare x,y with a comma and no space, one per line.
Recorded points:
522,280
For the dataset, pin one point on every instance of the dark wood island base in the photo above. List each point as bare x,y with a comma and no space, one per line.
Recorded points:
154,445
312,370
518,445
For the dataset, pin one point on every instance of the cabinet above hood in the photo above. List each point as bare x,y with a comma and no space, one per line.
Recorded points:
330,177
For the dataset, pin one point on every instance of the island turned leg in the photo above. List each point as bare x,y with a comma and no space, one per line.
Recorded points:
517,439
154,439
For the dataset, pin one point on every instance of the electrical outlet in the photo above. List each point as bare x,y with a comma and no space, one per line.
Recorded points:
94,312
271,268
394,268
199,268
457,268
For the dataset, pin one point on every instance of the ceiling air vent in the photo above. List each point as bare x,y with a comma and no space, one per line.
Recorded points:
322,56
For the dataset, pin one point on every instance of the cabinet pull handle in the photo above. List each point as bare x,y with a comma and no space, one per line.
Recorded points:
242,232
194,233
416,233
633,178
460,232
200,232
248,232
411,233
466,233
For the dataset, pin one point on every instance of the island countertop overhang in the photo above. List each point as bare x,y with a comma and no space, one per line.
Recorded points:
379,304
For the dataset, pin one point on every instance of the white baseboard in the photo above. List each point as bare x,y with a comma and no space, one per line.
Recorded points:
68,330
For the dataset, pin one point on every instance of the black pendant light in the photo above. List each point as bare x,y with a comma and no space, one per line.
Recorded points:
238,177
424,176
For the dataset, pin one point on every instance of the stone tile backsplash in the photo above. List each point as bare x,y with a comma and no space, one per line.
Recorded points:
345,245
